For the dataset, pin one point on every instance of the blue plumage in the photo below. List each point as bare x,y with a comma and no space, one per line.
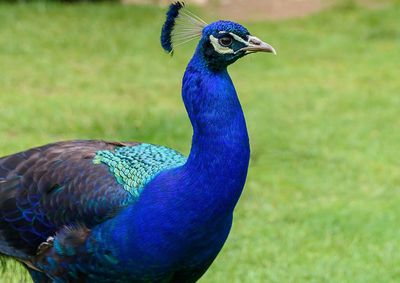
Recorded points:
94,211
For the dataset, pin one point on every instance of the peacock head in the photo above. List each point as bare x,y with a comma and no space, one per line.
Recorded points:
224,42
221,43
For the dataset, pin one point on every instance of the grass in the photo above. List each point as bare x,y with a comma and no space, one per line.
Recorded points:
322,199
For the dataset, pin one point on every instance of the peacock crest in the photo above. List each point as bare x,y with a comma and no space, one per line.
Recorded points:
181,26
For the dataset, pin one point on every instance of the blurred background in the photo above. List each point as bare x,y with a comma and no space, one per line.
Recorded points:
321,203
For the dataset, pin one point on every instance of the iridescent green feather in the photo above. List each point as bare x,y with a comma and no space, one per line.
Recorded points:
135,166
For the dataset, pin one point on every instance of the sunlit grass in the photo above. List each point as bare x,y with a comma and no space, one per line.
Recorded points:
321,201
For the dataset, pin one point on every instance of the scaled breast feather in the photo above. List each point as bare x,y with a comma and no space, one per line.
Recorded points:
135,166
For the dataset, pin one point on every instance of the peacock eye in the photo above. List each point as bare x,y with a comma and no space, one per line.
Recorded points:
225,41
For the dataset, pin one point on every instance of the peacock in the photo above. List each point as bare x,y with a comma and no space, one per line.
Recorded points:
98,211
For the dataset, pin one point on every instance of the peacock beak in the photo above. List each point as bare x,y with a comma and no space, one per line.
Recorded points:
255,44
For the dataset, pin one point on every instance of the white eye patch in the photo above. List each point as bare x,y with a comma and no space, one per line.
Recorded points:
223,49
219,48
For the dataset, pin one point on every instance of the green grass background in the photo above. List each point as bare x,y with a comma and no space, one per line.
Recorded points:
322,200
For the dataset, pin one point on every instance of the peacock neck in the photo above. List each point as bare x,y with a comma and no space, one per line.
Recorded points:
197,199
220,151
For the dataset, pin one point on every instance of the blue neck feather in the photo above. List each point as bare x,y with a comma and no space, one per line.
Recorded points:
220,145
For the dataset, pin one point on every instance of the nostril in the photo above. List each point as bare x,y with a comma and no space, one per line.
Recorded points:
255,41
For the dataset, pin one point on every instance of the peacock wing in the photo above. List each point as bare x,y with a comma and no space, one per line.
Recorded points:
46,188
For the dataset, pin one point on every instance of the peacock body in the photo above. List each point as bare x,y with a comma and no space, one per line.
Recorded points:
95,211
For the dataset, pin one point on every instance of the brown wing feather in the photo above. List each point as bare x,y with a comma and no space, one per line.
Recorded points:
45,188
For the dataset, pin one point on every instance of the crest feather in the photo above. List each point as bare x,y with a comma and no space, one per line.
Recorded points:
181,26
